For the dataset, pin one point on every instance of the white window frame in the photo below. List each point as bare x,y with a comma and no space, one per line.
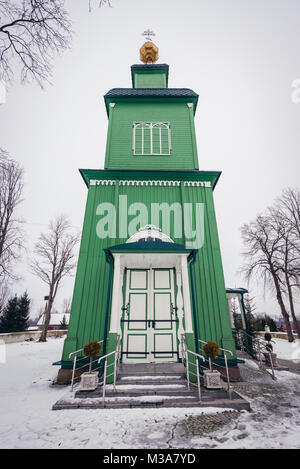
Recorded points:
151,126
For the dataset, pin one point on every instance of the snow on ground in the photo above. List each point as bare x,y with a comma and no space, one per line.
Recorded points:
27,421
286,350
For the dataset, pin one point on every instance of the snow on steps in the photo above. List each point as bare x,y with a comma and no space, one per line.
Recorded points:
169,390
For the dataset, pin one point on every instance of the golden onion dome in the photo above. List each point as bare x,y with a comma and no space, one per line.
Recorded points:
149,53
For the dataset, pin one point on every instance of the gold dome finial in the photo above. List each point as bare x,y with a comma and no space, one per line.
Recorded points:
148,51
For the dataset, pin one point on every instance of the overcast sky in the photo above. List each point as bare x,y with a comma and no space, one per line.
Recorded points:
240,56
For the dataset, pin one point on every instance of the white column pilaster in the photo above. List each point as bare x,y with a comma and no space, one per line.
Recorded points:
117,286
179,303
186,295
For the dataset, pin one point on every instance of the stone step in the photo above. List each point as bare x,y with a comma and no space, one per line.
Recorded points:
211,394
151,378
237,403
137,382
163,390
133,391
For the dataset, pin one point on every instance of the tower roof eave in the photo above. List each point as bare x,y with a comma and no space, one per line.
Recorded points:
119,94
140,174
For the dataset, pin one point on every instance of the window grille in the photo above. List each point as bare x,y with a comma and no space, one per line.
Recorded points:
151,138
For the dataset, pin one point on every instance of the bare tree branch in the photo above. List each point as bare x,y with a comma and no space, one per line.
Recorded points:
32,32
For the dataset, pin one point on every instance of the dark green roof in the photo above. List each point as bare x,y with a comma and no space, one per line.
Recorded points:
151,93
242,291
150,66
150,246
183,94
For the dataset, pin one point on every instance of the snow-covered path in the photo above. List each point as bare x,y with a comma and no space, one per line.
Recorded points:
27,421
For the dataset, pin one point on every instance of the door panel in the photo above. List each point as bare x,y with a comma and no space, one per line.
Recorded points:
150,326
162,279
163,343
137,311
136,343
162,311
138,280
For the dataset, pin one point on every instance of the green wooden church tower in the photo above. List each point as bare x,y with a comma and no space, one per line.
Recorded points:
149,266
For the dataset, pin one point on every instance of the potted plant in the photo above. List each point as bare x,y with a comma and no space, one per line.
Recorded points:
89,379
212,378
269,351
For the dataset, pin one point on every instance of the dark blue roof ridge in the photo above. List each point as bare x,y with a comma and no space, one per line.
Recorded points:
151,92
149,66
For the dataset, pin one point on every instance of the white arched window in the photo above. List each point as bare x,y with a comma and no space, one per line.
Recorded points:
151,138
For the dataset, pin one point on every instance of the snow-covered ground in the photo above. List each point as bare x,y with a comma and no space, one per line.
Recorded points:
27,421
286,350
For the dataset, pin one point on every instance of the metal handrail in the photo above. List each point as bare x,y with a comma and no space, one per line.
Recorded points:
116,353
217,364
185,353
260,348
80,367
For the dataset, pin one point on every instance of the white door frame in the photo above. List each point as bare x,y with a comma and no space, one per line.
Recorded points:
149,261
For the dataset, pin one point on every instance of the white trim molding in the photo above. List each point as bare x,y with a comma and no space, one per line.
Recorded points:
137,182
197,183
102,182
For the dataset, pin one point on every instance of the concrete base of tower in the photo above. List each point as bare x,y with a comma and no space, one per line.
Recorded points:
234,373
64,376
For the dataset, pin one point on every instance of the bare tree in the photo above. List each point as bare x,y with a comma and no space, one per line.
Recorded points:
11,236
54,261
31,33
287,209
289,204
263,258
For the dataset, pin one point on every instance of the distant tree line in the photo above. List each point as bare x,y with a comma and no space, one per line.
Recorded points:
15,314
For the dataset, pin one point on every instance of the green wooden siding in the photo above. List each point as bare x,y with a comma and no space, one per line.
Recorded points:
91,286
144,76
154,80
119,153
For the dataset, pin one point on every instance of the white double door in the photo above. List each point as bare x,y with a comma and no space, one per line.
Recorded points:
149,319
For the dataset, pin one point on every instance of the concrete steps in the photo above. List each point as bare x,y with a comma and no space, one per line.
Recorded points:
152,390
